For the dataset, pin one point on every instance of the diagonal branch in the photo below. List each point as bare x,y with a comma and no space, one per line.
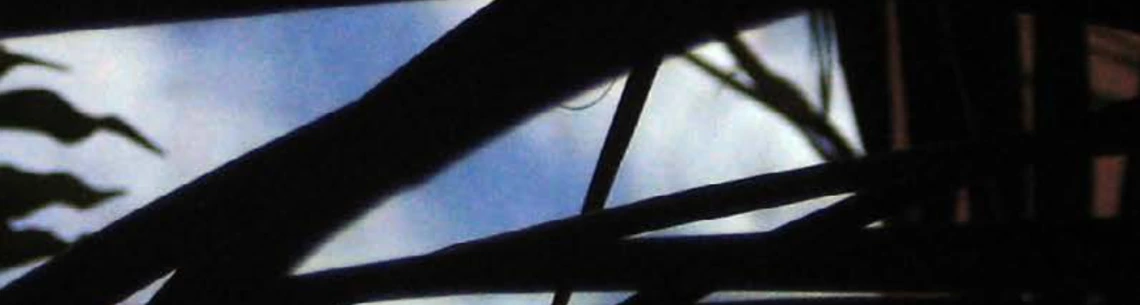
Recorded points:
727,79
621,131
783,97
1011,258
50,16
577,252
260,210
999,299
21,18
854,213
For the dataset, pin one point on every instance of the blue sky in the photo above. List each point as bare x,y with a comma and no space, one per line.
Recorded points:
209,91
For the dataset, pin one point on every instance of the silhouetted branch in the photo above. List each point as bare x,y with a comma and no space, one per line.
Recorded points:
985,54
862,37
838,221
50,16
621,132
672,295
782,96
1007,299
254,218
769,101
1061,99
1011,258
577,237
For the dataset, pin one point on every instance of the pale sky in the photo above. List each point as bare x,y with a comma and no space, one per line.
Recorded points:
207,92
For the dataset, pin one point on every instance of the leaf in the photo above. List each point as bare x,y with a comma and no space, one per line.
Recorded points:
8,61
43,111
25,192
22,246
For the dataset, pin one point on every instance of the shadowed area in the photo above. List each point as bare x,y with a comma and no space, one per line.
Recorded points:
18,247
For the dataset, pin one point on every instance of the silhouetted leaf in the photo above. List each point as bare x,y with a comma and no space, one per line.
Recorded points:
11,60
46,112
22,246
25,192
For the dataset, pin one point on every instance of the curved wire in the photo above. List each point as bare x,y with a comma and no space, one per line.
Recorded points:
595,101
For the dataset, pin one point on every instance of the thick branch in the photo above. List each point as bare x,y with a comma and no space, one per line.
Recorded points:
787,100
988,259
19,18
50,16
797,241
261,211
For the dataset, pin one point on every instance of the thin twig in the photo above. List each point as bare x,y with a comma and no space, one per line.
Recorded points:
621,131
809,124
785,98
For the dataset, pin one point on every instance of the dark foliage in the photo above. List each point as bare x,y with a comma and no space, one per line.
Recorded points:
44,112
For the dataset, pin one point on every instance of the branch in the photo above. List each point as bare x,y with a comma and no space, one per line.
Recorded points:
576,239
257,216
1009,299
36,17
26,17
621,132
806,124
1009,258
781,95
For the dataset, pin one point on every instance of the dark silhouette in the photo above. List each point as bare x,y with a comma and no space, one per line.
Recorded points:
622,127
22,193
8,61
44,111
235,234
778,94
25,192
46,16
18,247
